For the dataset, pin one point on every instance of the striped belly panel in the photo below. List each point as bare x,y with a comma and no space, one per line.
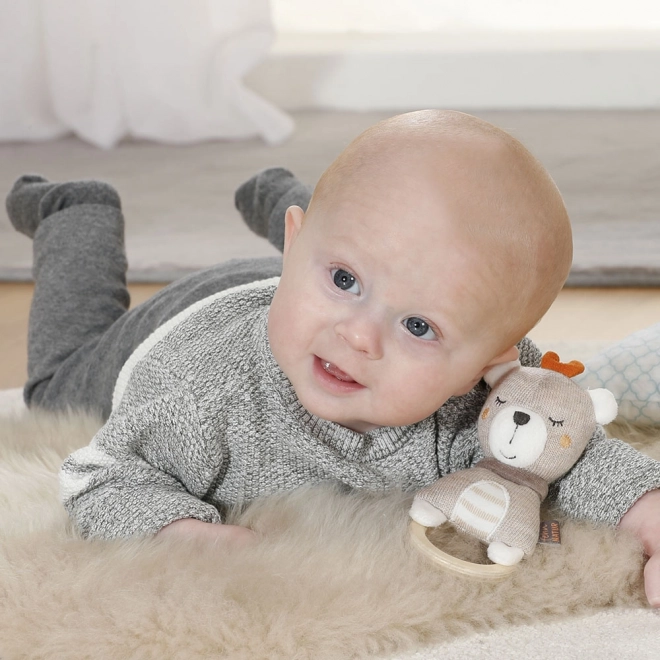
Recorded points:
480,508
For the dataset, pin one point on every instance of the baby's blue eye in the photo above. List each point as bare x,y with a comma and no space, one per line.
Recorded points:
419,328
345,280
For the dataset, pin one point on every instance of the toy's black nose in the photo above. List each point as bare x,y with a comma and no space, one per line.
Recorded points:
520,418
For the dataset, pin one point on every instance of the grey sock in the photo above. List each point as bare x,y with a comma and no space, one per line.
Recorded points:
263,200
33,198
23,202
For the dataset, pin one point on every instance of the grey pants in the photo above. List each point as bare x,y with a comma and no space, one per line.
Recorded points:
80,332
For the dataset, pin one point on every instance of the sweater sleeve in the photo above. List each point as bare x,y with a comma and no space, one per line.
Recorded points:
530,354
607,480
149,465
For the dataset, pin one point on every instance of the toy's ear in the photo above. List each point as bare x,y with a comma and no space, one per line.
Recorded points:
496,373
605,405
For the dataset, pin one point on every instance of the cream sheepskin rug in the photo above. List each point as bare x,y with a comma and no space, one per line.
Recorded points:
334,575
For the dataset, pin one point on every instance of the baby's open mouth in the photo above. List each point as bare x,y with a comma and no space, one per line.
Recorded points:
331,377
336,372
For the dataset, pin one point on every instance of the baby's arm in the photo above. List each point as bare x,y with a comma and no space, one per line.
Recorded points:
193,528
643,520
150,465
615,484
606,481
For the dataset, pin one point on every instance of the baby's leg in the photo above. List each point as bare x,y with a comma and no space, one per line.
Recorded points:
79,273
80,334
263,200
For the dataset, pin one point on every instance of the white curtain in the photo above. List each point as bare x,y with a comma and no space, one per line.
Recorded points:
165,70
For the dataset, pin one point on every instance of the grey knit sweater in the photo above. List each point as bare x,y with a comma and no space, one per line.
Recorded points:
203,419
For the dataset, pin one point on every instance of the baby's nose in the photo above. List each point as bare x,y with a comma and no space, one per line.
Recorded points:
362,335
520,418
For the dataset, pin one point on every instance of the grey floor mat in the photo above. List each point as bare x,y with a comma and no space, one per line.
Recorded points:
179,200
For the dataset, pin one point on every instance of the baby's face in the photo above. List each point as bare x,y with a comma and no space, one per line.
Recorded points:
382,312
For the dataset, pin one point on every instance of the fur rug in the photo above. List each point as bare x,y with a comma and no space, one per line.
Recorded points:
334,575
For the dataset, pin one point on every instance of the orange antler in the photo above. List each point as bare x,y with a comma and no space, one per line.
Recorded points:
551,361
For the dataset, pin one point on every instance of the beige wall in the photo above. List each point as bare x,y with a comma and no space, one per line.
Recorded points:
415,15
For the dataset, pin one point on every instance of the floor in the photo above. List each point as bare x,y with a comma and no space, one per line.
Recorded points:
579,314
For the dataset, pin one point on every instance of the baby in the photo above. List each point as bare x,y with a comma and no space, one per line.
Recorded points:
429,248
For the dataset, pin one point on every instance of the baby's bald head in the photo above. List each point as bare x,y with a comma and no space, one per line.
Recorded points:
475,181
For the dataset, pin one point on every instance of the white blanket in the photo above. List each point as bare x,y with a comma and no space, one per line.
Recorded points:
48,577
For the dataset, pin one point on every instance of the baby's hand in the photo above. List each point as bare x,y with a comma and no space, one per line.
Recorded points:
232,535
643,520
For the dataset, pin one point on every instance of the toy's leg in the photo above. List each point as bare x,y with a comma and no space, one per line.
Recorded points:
501,553
426,514
79,269
263,200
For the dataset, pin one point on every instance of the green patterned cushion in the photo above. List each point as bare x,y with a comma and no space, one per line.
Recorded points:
630,369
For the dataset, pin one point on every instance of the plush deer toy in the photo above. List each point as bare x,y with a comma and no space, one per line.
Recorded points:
534,426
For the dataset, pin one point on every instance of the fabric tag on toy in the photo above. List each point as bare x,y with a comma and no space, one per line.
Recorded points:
549,532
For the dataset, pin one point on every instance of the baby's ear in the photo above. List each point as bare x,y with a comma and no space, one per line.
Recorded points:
605,405
496,373
292,223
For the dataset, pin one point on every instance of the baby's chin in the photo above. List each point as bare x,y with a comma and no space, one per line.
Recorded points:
357,425
385,417
361,425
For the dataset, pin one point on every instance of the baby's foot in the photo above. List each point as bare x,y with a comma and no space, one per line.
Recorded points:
33,198
23,202
263,200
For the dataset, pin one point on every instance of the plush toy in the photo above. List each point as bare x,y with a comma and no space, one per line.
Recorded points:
533,428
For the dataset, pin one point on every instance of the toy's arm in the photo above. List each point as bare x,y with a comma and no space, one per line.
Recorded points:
148,466
606,481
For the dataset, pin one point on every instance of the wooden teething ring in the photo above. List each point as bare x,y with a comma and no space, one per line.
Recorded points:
453,564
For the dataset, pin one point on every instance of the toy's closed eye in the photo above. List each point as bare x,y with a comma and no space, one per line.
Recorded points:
499,402
556,422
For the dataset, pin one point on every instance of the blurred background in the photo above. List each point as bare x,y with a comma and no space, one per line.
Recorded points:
470,54
176,103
